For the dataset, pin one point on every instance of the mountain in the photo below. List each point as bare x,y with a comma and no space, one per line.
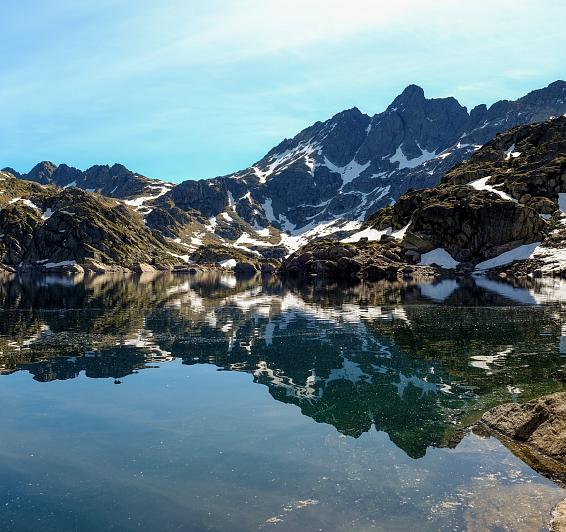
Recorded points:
114,181
323,182
349,166
56,229
504,206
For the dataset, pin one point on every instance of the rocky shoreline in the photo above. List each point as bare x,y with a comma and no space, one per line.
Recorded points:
536,432
558,521
93,267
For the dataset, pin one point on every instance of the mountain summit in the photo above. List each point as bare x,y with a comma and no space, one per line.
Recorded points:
324,181
354,164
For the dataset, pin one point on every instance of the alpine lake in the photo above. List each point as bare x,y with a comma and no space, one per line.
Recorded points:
201,402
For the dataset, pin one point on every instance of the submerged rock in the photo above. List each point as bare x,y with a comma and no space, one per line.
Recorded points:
540,424
558,523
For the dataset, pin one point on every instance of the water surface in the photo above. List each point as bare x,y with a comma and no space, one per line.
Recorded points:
202,403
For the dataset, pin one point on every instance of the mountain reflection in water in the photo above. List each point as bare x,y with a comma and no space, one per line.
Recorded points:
416,361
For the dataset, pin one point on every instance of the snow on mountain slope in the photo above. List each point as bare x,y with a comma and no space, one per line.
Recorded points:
324,181
328,178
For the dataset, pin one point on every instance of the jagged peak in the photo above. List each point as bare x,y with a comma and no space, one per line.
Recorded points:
410,94
116,168
44,166
119,168
353,112
11,171
555,89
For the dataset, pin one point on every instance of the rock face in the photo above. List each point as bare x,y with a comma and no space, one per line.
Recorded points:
354,164
511,193
558,523
245,269
540,424
373,261
471,225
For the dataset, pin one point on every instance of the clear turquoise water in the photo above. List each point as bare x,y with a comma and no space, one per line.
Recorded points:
182,403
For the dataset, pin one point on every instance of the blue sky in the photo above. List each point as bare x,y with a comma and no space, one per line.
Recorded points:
193,89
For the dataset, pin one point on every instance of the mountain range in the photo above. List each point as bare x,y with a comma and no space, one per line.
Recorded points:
326,181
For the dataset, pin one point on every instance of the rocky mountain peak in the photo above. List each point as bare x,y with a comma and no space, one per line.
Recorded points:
411,95
326,179
555,92
42,172
118,168
353,114
11,171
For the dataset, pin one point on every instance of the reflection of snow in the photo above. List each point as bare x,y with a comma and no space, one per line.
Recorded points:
520,295
486,362
281,381
350,371
439,291
144,340
422,384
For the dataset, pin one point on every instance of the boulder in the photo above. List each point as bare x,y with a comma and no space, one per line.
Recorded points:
93,266
245,268
540,424
391,255
348,266
374,272
558,522
267,268
325,267
142,267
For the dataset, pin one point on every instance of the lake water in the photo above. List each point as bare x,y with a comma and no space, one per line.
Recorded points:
201,403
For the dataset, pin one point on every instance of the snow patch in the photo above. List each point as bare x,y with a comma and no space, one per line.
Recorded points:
375,234
228,263
138,202
349,172
440,257
212,223
245,238
371,234
26,202
481,184
519,253
59,264
268,209
400,157
511,153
